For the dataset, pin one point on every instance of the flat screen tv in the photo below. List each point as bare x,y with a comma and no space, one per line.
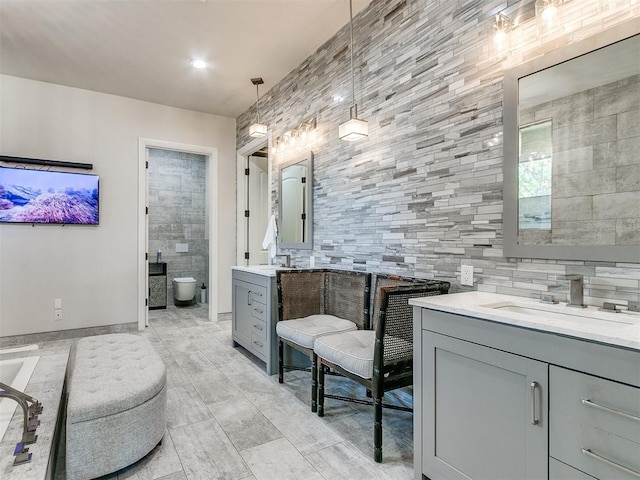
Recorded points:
44,196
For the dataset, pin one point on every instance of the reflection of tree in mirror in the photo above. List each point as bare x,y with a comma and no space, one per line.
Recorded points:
534,168
534,178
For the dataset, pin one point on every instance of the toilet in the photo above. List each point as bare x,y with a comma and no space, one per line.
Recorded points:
184,290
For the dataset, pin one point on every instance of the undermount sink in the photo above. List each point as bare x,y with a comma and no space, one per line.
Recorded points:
561,312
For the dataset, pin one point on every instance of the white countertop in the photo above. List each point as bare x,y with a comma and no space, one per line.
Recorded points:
619,329
264,270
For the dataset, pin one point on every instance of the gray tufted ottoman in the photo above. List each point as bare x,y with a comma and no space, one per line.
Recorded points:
116,404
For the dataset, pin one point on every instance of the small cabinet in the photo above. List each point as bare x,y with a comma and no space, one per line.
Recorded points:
485,411
157,285
254,316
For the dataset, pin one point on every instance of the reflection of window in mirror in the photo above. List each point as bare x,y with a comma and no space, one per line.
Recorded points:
534,182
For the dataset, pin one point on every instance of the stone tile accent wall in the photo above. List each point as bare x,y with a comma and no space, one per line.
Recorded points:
177,214
423,194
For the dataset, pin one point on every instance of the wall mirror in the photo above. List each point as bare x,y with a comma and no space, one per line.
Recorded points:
571,151
296,204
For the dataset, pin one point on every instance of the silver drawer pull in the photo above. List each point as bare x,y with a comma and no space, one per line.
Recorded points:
606,461
258,310
589,403
534,418
259,344
258,327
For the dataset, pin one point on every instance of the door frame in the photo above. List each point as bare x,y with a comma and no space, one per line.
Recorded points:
241,192
212,196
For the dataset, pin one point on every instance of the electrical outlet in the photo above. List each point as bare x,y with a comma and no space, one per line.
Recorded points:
57,314
466,275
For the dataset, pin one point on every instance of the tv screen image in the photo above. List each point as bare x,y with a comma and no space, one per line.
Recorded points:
44,196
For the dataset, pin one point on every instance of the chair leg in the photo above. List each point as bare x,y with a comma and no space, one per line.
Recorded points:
280,362
321,391
377,429
314,383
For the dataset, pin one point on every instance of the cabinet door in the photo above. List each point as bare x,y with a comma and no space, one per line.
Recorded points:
242,301
484,412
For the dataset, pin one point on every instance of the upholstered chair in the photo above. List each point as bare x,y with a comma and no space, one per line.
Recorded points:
380,359
314,303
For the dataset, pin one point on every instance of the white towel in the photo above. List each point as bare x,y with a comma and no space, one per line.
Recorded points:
271,237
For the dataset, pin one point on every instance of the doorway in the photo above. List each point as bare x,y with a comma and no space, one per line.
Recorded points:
210,223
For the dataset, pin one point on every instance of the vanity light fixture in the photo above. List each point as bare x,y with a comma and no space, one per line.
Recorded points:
257,129
353,129
548,15
297,137
502,35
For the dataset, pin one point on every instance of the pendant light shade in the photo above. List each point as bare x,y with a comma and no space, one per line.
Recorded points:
257,129
353,129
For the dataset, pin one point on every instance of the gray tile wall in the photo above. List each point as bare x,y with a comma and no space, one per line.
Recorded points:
177,193
422,195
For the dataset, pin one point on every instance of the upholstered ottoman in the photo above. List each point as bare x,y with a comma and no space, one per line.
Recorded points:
116,406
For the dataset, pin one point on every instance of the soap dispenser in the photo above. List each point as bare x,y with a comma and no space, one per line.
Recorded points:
159,257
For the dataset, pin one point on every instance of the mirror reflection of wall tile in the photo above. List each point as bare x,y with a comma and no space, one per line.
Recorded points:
596,167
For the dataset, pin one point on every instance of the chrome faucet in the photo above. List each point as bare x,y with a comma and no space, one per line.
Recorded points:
31,408
287,256
576,291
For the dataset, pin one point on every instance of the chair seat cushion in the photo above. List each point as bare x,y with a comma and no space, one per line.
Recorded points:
353,351
303,331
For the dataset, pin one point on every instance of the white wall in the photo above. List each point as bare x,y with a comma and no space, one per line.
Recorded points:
94,269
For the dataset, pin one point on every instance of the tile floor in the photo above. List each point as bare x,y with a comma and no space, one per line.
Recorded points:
226,419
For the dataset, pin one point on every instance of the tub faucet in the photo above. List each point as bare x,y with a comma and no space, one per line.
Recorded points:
31,408
576,291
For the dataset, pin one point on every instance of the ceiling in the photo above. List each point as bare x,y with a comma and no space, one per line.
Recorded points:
142,49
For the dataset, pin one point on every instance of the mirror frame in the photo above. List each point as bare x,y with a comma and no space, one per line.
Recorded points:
308,245
512,248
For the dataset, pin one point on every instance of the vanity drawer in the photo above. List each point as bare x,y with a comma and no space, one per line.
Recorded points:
259,311
259,329
258,345
594,423
258,295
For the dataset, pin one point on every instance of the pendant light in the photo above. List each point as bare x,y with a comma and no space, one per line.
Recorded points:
353,129
257,129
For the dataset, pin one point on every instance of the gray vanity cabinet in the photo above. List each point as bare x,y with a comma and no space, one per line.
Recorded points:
498,401
484,409
254,315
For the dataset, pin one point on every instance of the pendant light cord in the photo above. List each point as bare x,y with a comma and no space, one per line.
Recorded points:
257,102
353,82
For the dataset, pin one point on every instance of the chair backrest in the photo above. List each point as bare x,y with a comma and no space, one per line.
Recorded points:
439,287
346,295
300,293
386,280
394,329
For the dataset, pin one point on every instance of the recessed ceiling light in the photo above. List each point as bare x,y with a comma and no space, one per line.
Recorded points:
198,64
